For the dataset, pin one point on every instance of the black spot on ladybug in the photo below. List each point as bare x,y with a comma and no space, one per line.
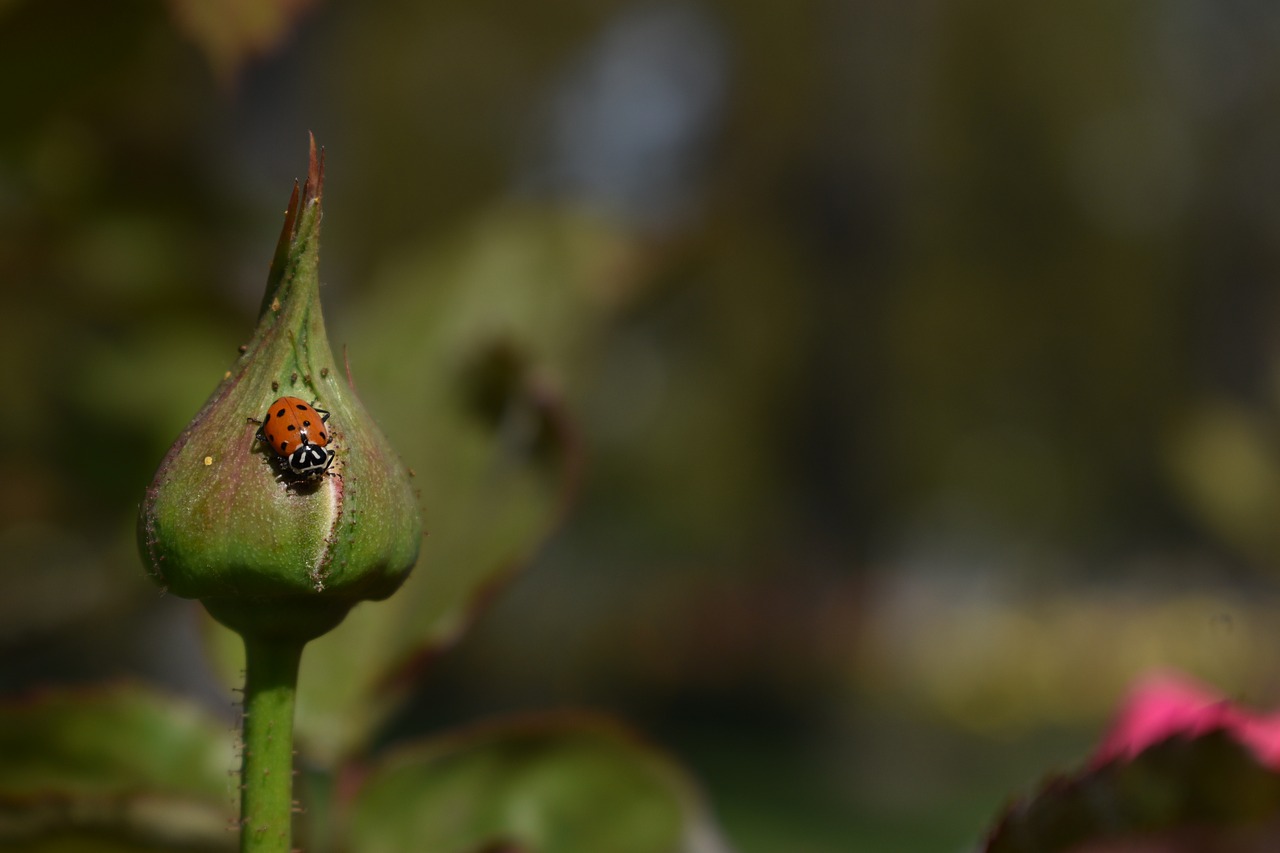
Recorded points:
267,418
323,437
306,423
291,427
284,446
280,414
302,407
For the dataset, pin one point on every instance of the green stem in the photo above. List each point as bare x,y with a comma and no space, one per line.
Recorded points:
266,770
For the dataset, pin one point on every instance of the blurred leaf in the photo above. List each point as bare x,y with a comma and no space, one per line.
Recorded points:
556,784
233,31
461,354
118,761
1181,784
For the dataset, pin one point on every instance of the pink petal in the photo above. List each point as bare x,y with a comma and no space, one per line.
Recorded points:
1166,704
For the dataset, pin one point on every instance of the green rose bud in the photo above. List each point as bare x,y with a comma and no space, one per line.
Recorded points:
271,552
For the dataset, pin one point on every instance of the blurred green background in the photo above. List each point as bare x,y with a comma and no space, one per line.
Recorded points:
922,357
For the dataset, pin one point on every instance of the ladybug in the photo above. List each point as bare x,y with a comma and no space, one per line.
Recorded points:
296,432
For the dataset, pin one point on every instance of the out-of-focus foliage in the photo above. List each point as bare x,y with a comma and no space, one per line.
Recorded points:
123,769
117,768
997,662
569,783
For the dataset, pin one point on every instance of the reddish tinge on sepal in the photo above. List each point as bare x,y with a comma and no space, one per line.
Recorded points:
312,190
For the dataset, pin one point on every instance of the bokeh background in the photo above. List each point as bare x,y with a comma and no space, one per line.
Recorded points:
921,358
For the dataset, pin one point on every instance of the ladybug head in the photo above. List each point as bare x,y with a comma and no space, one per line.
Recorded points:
309,461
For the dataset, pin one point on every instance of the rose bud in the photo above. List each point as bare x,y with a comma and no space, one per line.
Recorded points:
281,519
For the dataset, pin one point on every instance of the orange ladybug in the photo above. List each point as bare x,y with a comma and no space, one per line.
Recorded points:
297,433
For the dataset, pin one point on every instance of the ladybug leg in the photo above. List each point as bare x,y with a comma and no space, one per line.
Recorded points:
324,416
